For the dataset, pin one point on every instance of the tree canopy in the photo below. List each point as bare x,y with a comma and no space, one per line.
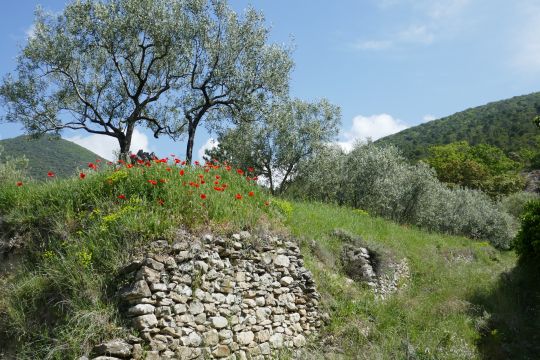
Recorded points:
108,66
278,143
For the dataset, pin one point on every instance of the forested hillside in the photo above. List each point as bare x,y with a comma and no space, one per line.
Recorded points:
48,153
506,124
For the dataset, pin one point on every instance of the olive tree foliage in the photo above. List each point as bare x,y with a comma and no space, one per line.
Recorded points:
278,143
102,67
108,66
234,72
381,181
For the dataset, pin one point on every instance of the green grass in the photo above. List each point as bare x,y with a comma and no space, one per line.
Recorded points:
465,299
78,232
438,315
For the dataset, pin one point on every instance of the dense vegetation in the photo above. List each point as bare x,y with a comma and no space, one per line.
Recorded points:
47,154
483,167
76,233
506,124
381,181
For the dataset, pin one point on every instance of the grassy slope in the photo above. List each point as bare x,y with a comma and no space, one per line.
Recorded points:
49,154
446,312
506,124
82,233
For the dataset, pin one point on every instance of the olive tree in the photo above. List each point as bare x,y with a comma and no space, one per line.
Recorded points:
234,72
102,67
108,66
277,144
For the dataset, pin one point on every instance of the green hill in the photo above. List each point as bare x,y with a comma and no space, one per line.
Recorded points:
506,124
48,153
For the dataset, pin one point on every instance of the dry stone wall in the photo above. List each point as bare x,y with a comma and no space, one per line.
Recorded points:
205,297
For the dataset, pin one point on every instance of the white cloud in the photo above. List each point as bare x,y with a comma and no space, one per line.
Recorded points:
370,127
107,146
209,144
428,117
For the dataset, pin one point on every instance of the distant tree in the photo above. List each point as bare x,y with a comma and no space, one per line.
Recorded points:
108,66
286,136
482,167
536,121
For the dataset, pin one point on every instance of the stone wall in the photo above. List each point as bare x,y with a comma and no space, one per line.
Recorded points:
242,297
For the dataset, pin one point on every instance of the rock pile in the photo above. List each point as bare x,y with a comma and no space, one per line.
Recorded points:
378,269
213,297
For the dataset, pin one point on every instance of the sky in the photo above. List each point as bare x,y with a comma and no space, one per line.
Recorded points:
388,64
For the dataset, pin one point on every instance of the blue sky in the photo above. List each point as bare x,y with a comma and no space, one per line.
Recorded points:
389,64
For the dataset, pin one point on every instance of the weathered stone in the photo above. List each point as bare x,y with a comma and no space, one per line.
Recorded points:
221,351
158,287
145,321
245,338
276,340
219,322
282,260
141,309
118,348
137,290
196,307
286,281
211,338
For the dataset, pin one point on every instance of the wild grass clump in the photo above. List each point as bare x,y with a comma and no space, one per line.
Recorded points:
381,181
78,232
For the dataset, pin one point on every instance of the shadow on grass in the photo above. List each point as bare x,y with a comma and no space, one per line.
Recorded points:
508,317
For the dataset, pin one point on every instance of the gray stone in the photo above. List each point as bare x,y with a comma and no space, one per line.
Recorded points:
245,337
145,321
282,260
276,340
221,351
137,290
158,287
286,281
196,307
219,322
211,338
117,347
141,309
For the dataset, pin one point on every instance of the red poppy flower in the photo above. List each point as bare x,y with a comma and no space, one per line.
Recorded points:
251,193
240,171
228,168
140,162
197,163
183,163
218,177
216,182
109,162
122,196
255,178
50,174
182,172
203,196
82,175
19,183
98,160
92,166
238,197
177,161
153,182
129,166
168,169
250,169
133,156
161,202
163,181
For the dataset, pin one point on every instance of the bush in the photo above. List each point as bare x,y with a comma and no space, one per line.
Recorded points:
381,181
528,237
514,204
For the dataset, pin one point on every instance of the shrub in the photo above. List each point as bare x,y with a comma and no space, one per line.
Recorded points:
528,237
381,181
514,204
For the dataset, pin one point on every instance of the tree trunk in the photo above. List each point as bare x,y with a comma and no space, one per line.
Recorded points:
191,138
125,142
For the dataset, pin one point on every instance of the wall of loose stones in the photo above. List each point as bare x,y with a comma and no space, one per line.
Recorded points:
240,297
